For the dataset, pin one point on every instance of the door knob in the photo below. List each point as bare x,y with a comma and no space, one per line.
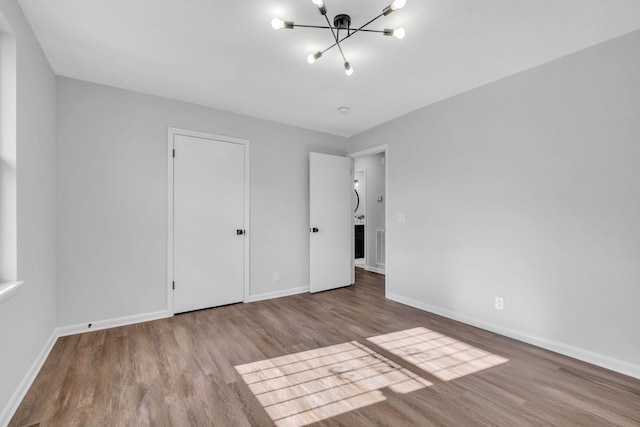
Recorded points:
239,232
314,230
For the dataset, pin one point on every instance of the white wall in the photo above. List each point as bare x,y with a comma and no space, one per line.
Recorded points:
529,189
112,186
27,320
375,209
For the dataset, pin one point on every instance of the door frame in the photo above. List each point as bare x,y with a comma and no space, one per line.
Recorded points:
364,172
171,133
369,151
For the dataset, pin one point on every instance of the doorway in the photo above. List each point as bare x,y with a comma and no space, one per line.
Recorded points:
370,217
208,217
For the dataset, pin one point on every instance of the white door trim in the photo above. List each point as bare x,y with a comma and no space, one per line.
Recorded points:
375,150
364,172
171,132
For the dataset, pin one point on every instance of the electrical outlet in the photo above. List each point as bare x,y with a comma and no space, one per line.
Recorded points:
276,276
499,303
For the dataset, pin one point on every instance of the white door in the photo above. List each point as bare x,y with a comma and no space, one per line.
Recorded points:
331,221
208,230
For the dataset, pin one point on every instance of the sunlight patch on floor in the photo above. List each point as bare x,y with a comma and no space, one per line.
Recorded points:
443,357
303,388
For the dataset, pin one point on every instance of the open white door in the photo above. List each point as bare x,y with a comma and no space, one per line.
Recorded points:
331,221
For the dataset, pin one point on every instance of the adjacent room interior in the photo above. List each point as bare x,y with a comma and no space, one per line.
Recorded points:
430,219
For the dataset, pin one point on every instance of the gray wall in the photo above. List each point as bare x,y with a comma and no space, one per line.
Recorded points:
375,209
27,320
529,189
112,198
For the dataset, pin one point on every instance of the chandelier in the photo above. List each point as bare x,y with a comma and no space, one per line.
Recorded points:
342,22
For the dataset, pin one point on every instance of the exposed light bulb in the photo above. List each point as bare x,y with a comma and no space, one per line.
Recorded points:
277,23
347,69
321,7
399,33
398,4
313,57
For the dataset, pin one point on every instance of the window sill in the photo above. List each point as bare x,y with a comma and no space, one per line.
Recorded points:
7,290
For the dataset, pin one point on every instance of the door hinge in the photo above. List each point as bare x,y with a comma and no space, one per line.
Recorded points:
174,153
174,285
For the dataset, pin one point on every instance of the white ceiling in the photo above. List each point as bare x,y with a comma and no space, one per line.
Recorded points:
224,54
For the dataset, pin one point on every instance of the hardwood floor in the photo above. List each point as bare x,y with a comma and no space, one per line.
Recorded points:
346,357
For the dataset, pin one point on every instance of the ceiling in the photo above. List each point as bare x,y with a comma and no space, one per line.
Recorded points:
226,55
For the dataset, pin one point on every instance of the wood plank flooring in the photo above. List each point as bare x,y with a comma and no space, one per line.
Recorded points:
346,357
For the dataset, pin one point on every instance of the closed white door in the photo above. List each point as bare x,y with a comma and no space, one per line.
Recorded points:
331,221
208,213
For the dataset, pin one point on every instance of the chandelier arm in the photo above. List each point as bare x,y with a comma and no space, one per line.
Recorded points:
337,43
336,39
329,48
335,28
367,31
362,28
347,36
310,26
351,33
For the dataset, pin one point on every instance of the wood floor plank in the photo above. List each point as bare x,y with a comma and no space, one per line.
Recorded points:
186,371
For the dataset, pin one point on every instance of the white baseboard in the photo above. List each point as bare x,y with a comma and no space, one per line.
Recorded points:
63,331
12,406
374,269
597,359
278,294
